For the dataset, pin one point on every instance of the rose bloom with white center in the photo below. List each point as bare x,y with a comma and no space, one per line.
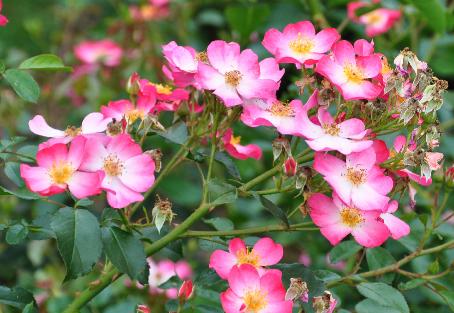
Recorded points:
128,171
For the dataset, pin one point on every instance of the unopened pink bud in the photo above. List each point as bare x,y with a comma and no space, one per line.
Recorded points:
290,167
186,290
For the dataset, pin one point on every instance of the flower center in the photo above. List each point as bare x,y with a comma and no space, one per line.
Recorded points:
356,176
255,301
133,115
235,140
60,173
248,257
113,166
301,45
373,17
72,131
331,129
233,78
353,73
279,108
163,89
202,57
351,217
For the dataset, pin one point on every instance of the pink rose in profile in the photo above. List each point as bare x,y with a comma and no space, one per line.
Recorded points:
104,51
128,171
357,181
3,19
250,292
59,169
299,43
233,75
379,21
327,135
182,64
142,308
337,220
93,123
264,253
350,73
396,226
287,118
235,149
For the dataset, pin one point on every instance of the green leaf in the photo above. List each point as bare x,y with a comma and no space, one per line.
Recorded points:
78,239
220,192
227,161
448,297
214,243
30,308
411,284
273,208
433,12
343,251
177,133
244,20
220,223
326,276
23,84
370,306
380,257
44,62
385,296
124,250
12,171
16,297
21,193
16,234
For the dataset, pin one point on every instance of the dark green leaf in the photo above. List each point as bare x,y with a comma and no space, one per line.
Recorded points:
78,238
220,223
16,297
44,62
23,84
243,20
12,171
214,243
326,276
21,193
84,202
385,296
343,250
177,133
16,234
220,192
380,257
411,284
225,160
273,208
448,297
433,12
124,250
370,306
30,308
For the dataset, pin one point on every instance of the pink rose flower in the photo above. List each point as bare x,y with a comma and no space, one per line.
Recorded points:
60,169
3,19
250,292
396,226
379,21
104,51
235,149
264,253
299,44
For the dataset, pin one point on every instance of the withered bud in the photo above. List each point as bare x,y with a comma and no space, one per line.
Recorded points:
306,81
279,145
114,127
162,212
156,155
297,289
152,122
132,86
326,96
324,303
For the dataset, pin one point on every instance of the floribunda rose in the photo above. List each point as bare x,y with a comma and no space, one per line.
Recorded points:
250,292
3,19
59,169
264,253
350,73
299,43
287,118
128,171
379,21
104,51
358,181
337,220
233,75
182,64
396,226
93,123
235,149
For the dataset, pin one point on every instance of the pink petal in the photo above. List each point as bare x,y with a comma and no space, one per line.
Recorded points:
39,126
54,154
325,39
208,77
270,252
324,117
303,28
257,88
83,184
269,69
366,198
249,64
183,270
76,151
344,52
222,262
353,128
363,47
364,159
94,123
396,226
138,173
37,179
281,307
381,151
237,245
272,40
335,233
119,195
117,109
124,147
419,179
229,95
369,65
399,143
223,56
95,152
363,90
243,278
372,233
271,283
331,70
230,302
327,164
323,212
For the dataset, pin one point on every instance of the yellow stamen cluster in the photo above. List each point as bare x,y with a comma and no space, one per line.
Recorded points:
132,116
202,57
113,166
60,173
353,73
279,108
248,257
255,301
301,45
233,78
331,129
163,89
356,176
235,140
72,131
351,217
